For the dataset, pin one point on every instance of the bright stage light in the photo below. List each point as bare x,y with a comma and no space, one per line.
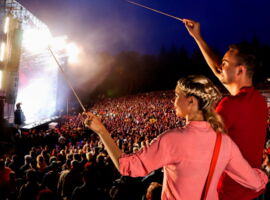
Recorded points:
2,51
1,77
73,52
59,43
38,76
38,98
36,40
38,87
6,25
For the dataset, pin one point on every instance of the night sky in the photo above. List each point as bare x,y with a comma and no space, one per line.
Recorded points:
115,25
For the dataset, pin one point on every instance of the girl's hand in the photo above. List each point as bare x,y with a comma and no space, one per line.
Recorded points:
94,123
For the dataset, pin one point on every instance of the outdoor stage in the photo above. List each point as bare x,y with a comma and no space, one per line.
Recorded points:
29,73
44,122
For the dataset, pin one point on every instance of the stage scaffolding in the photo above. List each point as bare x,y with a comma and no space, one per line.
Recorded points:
22,14
35,60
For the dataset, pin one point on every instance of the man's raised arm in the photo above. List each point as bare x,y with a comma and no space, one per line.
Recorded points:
211,58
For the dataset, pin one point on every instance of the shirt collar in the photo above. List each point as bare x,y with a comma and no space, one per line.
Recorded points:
246,89
201,124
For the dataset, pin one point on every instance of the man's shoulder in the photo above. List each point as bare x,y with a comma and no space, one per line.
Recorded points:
243,96
258,94
226,101
249,93
252,97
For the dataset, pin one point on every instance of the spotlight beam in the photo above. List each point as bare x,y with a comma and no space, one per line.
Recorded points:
160,12
67,80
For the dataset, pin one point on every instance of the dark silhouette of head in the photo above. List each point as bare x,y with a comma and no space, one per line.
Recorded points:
18,105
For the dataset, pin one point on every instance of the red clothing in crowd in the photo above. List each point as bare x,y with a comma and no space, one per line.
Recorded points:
4,176
245,117
185,156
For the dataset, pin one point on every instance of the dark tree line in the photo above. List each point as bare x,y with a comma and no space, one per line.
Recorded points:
132,72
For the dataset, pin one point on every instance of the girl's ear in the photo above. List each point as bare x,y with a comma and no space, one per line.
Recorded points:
191,100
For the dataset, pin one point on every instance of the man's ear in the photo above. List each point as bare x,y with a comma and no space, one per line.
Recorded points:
241,69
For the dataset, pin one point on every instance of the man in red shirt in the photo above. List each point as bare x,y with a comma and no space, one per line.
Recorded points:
244,112
4,179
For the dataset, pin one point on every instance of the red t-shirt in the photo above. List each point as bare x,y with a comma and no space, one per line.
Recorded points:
245,117
4,177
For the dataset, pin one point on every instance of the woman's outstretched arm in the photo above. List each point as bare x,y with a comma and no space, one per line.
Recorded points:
94,123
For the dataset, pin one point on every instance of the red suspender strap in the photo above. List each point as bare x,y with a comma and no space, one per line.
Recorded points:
212,166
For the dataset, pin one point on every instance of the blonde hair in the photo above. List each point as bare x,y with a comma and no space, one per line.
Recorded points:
207,95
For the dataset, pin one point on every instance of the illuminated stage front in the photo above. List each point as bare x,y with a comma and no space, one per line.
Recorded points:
35,79
37,85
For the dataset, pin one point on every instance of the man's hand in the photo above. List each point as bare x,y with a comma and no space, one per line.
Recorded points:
193,28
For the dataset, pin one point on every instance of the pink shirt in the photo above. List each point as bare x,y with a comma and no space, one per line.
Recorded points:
185,156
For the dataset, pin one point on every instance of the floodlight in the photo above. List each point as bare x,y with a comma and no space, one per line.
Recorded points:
58,43
1,78
35,40
73,52
6,25
2,51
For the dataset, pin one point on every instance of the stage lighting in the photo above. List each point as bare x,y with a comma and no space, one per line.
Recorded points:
38,106
6,25
2,51
35,40
58,43
73,52
1,78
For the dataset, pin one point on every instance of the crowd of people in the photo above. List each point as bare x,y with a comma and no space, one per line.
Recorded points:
61,162
48,156
142,117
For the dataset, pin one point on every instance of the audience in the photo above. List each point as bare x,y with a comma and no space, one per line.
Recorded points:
69,161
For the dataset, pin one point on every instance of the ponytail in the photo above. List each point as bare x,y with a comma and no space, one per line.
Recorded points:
214,119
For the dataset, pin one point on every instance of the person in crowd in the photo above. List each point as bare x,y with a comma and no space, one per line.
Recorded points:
27,164
69,180
89,188
19,117
244,112
4,179
41,164
15,164
46,194
186,161
31,188
154,191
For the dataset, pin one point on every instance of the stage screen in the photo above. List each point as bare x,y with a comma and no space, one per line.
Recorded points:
38,72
